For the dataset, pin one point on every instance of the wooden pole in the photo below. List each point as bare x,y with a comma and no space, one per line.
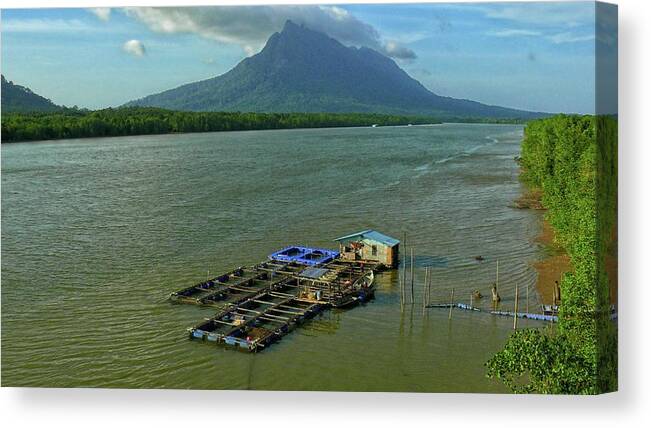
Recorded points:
497,276
515,312
429,285
424,287
403,244
400,284
451,303
402,303
471,296
527,298
412,276
404,277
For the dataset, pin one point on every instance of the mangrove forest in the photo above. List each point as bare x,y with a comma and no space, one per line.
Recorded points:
72,123
572,162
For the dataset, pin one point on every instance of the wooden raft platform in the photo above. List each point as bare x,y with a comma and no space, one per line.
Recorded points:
261,303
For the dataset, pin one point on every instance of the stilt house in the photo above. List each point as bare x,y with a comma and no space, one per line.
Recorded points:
370,245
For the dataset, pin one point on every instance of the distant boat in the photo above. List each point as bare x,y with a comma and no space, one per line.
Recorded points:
374,125
409,124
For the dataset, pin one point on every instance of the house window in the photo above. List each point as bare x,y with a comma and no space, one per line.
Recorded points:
374,250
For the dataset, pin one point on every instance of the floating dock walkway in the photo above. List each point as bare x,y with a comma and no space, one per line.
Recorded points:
257,305
526,315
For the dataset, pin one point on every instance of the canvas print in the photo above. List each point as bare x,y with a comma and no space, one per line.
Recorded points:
373,197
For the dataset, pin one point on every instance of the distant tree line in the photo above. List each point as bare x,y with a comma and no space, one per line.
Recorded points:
573,161
72,123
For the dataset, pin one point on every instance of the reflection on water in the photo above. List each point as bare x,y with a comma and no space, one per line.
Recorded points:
96,233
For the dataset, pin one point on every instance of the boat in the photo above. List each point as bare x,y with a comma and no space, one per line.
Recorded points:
551,310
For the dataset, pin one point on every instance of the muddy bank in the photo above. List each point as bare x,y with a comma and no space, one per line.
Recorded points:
556,262
551,268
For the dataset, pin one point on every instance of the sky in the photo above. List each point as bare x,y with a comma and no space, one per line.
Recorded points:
531,56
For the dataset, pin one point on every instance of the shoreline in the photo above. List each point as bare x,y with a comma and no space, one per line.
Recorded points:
109,123
261,129
552,266
237,130
556,262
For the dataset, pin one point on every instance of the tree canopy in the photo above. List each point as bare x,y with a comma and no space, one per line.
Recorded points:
573,160
71,123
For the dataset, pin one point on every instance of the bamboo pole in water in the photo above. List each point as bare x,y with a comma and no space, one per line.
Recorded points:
451,303
424,287
429,285
515,312
404,278
497,277
425,291
411,270
400,285
403,296
527,299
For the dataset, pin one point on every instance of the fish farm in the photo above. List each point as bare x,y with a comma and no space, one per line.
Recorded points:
257,305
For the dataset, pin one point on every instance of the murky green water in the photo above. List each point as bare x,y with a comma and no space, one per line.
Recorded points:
96,233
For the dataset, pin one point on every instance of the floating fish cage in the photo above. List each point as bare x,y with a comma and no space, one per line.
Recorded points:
257,322
261,303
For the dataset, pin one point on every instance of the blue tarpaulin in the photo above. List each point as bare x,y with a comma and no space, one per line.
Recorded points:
304,255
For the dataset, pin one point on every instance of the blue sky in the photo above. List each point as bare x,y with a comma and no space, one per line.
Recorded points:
533,56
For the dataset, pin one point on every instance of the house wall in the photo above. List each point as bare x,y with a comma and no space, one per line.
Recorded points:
384,254
393,256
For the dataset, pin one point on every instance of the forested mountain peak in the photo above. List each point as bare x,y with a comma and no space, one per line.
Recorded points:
16,98
302,70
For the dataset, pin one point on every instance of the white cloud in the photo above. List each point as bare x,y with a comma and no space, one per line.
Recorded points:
565,14
513,33
251,26
406,37
102,13
570,38
38,25
134,47
395,50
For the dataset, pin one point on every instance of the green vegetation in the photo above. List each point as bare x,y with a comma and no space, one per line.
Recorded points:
143,121
573,160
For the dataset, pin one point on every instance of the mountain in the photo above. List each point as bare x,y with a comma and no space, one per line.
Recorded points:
301,70
16,98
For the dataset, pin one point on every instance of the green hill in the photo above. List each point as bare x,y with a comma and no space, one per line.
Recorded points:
16,98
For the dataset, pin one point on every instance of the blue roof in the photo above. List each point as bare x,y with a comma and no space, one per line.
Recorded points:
373,235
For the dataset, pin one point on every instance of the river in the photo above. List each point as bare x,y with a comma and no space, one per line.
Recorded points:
97,232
